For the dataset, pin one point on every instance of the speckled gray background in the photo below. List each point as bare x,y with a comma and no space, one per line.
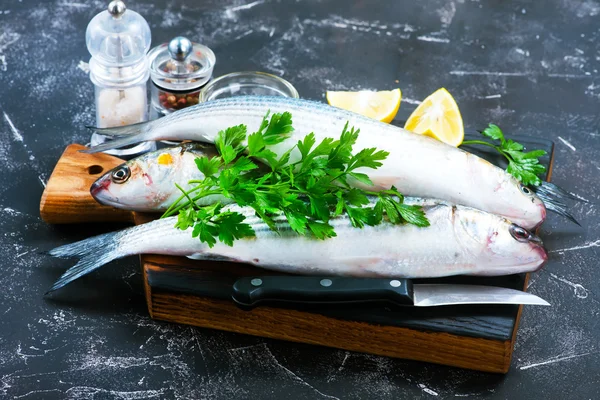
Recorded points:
531,67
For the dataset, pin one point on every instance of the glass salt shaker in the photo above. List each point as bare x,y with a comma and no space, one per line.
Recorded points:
179,69
118,40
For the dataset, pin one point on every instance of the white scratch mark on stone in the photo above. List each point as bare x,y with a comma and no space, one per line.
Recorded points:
579,290
36,392
579,51
522,52
493,73
296,377
344,361
11,211
427,390
16,134
555,360
42,181
91,392
584,246
569,145
492,96
411,101
569,76
433,39
85,67
245,6
243,34
22,254
246,347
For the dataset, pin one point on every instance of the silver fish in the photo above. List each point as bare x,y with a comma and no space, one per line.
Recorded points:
460,240
417,165
147,183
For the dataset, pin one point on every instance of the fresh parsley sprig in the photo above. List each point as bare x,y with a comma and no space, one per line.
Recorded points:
308,191
525,166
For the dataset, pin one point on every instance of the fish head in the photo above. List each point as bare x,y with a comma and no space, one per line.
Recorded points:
525,208
502,247
147,182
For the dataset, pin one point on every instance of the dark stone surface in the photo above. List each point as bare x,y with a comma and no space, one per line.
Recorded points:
530,67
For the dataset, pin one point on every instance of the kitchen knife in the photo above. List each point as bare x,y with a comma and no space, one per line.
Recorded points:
249,292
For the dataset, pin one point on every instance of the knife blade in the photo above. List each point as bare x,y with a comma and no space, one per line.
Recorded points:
249,292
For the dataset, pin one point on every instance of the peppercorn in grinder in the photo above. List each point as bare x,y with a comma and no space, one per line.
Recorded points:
178,69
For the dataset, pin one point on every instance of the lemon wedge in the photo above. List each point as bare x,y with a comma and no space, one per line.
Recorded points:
382,106
438,116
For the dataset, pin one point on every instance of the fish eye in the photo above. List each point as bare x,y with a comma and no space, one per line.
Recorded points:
525,189
121,174
520,234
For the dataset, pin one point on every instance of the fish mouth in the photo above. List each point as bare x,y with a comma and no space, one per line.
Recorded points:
98,187
100,192
538,248
543,214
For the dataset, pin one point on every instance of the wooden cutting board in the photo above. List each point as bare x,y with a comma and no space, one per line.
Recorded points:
199,292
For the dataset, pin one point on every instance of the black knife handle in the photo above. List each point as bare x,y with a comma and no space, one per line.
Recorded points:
249,292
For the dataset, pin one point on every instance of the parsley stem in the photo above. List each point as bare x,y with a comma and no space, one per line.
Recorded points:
186,194
497,148
172,210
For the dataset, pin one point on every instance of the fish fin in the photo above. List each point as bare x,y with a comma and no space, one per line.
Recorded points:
561,209
94,252
117,143
550,191
126,130
554,198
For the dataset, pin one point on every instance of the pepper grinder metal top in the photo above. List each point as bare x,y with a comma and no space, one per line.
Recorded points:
178,70
180,48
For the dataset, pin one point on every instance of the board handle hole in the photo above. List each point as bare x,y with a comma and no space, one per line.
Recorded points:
95,169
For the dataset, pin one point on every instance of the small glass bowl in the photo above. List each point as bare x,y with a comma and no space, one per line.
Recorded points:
247,83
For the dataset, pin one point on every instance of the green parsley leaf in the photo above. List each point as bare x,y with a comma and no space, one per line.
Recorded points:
278,129
233,137
321,230
412,214
525,167
493,132
231,227
208,166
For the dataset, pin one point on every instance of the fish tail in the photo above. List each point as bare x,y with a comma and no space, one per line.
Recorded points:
560,208
94,253
118,143
550,191
554,198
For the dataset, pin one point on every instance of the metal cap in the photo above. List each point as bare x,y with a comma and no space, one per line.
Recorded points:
116,8
180,48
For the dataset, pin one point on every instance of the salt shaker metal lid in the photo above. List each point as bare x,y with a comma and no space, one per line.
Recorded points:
181,65
117,38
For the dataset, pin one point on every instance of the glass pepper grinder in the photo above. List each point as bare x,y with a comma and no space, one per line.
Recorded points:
118,40
179,69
